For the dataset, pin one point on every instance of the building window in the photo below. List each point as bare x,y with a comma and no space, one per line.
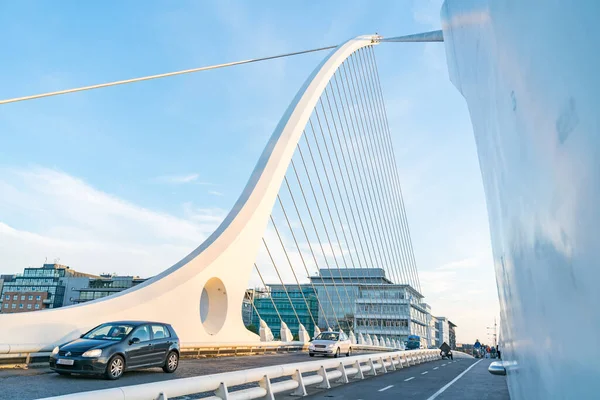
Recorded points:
7,297
37,306
15,297
38,297
20,305
6,306
14,306
29,306
30,297
22,297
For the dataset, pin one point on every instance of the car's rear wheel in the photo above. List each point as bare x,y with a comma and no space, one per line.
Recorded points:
337,353
311,354
171,363
115,368
349,353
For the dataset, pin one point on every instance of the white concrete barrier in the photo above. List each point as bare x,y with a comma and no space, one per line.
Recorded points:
338,370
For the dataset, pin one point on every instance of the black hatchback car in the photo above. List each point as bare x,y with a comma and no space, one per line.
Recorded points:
115,347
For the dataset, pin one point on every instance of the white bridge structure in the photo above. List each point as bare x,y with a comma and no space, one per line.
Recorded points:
330,161
529,74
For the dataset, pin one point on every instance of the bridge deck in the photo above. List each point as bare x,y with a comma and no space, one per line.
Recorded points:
42,382
422,382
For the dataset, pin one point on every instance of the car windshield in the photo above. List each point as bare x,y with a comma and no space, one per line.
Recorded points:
109,332
328,336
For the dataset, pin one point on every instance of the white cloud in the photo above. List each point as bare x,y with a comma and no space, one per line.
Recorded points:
215,193
179,179
461,264
54,214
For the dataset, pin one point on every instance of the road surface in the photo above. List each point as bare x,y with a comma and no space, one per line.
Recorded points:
426,381
42,382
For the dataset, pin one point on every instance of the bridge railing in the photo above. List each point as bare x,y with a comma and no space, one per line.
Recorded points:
265,382
23,355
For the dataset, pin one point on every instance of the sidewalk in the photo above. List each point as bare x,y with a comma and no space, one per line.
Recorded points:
478,384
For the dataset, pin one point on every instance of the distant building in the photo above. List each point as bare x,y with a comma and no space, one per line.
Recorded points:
274,302
247,309
431,328
391,311
4,278
41,288
451,335
443,331
105,285
338,290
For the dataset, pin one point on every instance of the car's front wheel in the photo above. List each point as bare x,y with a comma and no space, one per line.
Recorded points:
349,353
337,353
115,368
171,363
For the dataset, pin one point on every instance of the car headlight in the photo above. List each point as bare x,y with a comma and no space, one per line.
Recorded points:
92,353
330,345
311,346
55,350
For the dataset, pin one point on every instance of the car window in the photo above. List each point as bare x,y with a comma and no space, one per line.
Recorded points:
108,332
160,332
142,333
328,336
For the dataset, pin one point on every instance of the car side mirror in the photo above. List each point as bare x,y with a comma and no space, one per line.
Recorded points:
134,340
81,336
497,368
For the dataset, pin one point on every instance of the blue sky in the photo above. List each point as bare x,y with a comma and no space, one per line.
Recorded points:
129,179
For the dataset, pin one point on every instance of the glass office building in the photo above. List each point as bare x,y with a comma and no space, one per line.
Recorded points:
39,288
106,285
275,299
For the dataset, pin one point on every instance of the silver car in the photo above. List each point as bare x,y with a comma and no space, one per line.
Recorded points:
330,344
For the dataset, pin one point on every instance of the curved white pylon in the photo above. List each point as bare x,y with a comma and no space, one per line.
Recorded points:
201,295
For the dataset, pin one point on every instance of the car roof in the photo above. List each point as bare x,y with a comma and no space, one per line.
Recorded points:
136,323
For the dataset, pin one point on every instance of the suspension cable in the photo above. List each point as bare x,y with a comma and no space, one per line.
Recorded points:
303,261
270,295
312,253
158,76
347,169
281,280
293,272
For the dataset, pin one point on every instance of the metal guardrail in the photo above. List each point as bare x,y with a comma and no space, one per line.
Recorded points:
299,376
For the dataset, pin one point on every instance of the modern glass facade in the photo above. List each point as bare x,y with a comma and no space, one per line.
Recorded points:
105,285
55,285
276,300
338,289
391,311
46,286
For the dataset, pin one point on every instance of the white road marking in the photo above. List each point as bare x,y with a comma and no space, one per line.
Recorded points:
442,390
386,388
436,367
443,365
408,379
423,373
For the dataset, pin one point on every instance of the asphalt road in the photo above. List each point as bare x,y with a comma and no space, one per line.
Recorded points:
427,381
42,382
416,382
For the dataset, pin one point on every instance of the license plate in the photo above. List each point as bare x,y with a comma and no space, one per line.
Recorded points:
63,361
